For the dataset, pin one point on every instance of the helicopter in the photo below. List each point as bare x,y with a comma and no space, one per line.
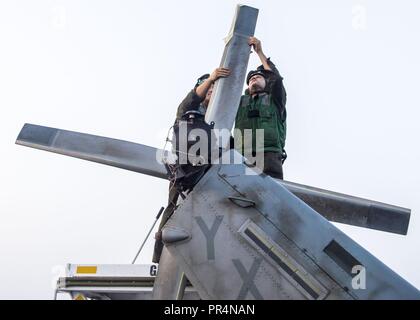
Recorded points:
238,233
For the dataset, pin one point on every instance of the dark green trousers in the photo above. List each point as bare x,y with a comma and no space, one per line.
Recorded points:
169,210
273,165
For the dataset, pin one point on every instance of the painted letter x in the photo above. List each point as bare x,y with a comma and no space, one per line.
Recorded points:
248,278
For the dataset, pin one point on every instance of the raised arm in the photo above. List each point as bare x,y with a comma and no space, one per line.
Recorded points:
201,92
275,81
256,44
204,87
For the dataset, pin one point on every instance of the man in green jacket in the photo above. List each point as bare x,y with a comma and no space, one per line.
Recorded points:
263,106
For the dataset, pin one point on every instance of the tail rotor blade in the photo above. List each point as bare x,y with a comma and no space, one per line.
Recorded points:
117,153
351,210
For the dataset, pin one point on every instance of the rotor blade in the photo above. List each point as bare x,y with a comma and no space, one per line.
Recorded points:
117,153
227,91
351,210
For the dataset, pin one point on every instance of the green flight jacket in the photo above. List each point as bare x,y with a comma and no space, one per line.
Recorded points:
266,111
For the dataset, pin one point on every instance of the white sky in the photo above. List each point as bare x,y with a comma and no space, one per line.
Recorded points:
120,69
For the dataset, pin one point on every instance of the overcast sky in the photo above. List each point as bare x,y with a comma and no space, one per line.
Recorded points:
120,68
